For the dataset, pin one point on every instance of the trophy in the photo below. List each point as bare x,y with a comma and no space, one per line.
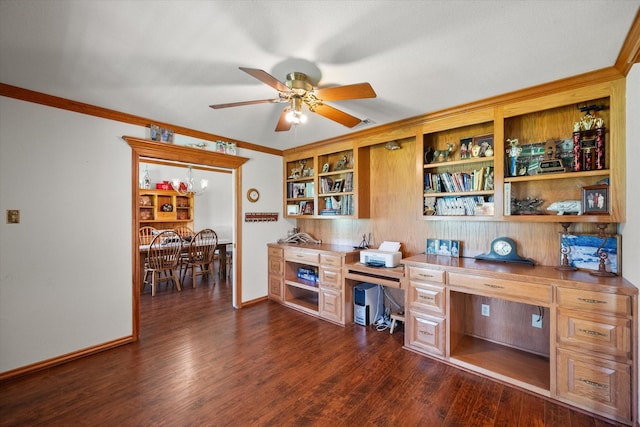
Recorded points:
551,165
513,152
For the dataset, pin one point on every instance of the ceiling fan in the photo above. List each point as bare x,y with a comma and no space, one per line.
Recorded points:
298,91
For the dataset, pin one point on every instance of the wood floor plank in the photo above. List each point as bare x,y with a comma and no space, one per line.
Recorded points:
199,362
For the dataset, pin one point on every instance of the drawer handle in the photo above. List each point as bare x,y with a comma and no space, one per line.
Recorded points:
590,332
493,286
428,298
426,333
593,383
591,301
428,276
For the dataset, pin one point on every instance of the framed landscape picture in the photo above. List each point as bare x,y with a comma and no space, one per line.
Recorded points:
583,251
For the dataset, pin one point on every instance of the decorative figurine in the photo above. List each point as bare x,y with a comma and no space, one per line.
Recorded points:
513,152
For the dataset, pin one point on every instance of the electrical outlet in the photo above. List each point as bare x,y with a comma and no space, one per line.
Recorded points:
485,310
536,321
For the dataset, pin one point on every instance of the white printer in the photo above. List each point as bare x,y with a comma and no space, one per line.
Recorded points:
387,255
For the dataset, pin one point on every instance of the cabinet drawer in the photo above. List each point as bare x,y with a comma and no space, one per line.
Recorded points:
593,332
331,305
427,297
594,301
426,274
276,266
426,333
275,287
504,289
331,260
595,384
275,252
330,278
297,255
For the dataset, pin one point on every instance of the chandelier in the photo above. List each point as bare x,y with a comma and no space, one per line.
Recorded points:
186,187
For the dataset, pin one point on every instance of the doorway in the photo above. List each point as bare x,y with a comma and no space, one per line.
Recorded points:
145,149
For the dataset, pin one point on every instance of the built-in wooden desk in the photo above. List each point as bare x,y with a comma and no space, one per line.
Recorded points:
480,316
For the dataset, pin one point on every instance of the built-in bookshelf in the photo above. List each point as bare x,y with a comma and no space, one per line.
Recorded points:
458,177
328,184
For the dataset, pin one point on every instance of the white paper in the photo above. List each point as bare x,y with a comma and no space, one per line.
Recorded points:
389,246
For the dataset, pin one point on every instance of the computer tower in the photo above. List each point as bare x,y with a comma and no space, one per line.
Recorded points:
368,303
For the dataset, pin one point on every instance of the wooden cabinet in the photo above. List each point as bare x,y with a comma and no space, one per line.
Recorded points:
425,304
275,261
595,351
328,184
516,188
309,278
569,336
165,208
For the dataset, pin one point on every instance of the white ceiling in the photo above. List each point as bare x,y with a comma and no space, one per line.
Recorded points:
169,60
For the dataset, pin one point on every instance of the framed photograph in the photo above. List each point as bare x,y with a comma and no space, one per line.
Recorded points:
293,210
595,199
306,208
337,186
443,247
583,251
482,146
325,167
299,189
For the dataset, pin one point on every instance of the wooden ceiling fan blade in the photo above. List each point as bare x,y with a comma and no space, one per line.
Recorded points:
266,78
241,103
341,93
336,115
283,123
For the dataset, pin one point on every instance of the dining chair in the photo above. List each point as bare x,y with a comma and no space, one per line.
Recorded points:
163,257
146,234
200,254
185,233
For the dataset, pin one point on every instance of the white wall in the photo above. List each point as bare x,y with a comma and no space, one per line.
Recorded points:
267,179
631,229
65,270
65,281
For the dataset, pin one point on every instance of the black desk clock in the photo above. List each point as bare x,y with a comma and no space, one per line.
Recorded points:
503,249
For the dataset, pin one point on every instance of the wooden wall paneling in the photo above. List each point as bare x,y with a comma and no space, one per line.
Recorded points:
508,323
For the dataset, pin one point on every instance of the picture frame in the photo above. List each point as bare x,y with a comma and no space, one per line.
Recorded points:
482,146
325,167
451,248
293,210
299,190
337,185
595,199
583,251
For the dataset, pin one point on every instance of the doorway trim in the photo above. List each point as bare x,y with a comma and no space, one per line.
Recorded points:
163,151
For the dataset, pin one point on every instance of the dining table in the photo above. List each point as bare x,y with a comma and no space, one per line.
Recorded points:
222,257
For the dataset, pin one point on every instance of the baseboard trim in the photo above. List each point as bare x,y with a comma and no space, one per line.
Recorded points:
38,366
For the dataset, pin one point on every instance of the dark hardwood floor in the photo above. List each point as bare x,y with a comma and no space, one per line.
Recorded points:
200,362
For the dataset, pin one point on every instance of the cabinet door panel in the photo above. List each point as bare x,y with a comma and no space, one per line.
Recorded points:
275,287
594,301
504,289
595,384
426,333
331,305
604,334
427,297
330,278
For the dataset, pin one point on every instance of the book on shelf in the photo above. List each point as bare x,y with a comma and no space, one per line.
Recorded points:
507,198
